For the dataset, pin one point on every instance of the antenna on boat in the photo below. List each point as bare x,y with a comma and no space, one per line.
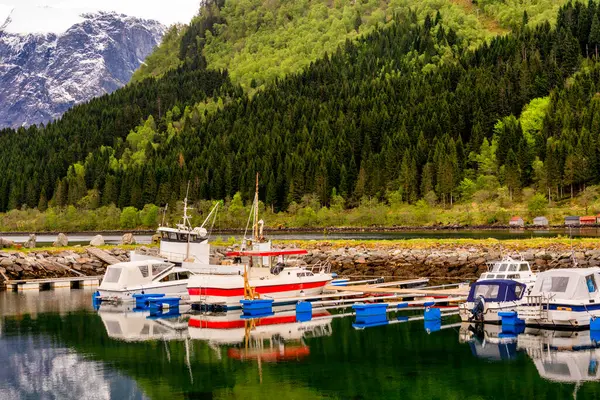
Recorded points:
164,214
256,237
186,218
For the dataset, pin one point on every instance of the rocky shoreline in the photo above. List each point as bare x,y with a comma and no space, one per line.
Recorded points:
446,262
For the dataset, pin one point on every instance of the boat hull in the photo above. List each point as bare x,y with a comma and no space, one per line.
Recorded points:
175,288
490,313
229,291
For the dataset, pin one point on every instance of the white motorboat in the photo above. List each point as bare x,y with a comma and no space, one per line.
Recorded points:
567,298
490,296
122,280
509,268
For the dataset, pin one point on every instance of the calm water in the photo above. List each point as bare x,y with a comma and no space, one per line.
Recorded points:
500,234
54,346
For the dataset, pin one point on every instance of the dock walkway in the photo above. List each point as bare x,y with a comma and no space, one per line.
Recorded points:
76,282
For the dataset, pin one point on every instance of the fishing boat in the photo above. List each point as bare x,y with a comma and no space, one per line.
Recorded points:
509,268
122,280
490,296
270,280
183,243
564,298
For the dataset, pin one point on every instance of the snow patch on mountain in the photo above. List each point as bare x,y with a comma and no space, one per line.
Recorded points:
44,74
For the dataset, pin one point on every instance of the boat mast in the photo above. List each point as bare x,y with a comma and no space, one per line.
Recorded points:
256,237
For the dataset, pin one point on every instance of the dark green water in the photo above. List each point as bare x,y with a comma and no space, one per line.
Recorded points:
53,345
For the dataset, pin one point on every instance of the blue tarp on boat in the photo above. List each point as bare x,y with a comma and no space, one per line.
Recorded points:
496,290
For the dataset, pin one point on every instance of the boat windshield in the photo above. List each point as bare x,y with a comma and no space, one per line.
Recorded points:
112,275
512,267
487,291
524,267
158,268
503,267
556,284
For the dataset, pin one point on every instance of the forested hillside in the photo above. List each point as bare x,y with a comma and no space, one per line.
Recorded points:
412,110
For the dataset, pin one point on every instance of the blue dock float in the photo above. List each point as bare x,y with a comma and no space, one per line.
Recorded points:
257,307
511,322
340,282
303,311
432,314
369,315
161,303
142,300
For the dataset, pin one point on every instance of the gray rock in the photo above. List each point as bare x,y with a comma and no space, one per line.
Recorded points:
97,240
61,241
128,239
5,262
31,242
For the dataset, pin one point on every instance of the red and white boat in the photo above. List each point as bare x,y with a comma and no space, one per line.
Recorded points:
269,281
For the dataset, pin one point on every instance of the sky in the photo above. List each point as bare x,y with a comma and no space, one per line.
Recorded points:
166,11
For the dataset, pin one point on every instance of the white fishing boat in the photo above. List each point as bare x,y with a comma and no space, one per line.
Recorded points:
183,243
509,268
122,280
489,297
278,281
566,298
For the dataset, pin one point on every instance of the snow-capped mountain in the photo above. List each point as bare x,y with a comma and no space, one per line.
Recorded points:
52,59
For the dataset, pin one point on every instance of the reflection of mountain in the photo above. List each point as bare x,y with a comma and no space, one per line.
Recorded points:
34,368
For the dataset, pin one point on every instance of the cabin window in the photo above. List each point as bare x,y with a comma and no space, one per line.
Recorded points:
593,367
503,267
490,276
158,268
309,274
500,276
144,270
172,236
487,291
513,276
591,283
182,237
557,284
524,267
112,275
171,277
512,267
300,274
165,235
518,291
184,275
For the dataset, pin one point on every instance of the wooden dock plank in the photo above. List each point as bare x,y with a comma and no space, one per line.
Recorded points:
103,255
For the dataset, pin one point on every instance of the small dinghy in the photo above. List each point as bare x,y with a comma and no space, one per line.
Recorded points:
488,297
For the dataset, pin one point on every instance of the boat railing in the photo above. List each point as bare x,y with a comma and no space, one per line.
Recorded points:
534,307
322,267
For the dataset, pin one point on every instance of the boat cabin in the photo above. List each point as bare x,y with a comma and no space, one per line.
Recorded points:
184,244
274,259
579,284
138,273
509,268
496,290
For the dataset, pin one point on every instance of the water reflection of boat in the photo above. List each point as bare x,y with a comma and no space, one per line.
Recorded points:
488,341
134,326
562,356
231,328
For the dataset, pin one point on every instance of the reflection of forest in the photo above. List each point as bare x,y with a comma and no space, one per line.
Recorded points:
375,363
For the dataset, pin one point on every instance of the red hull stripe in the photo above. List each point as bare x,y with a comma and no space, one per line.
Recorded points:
234,292
240,323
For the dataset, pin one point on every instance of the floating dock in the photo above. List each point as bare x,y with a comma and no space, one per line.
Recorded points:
77,282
